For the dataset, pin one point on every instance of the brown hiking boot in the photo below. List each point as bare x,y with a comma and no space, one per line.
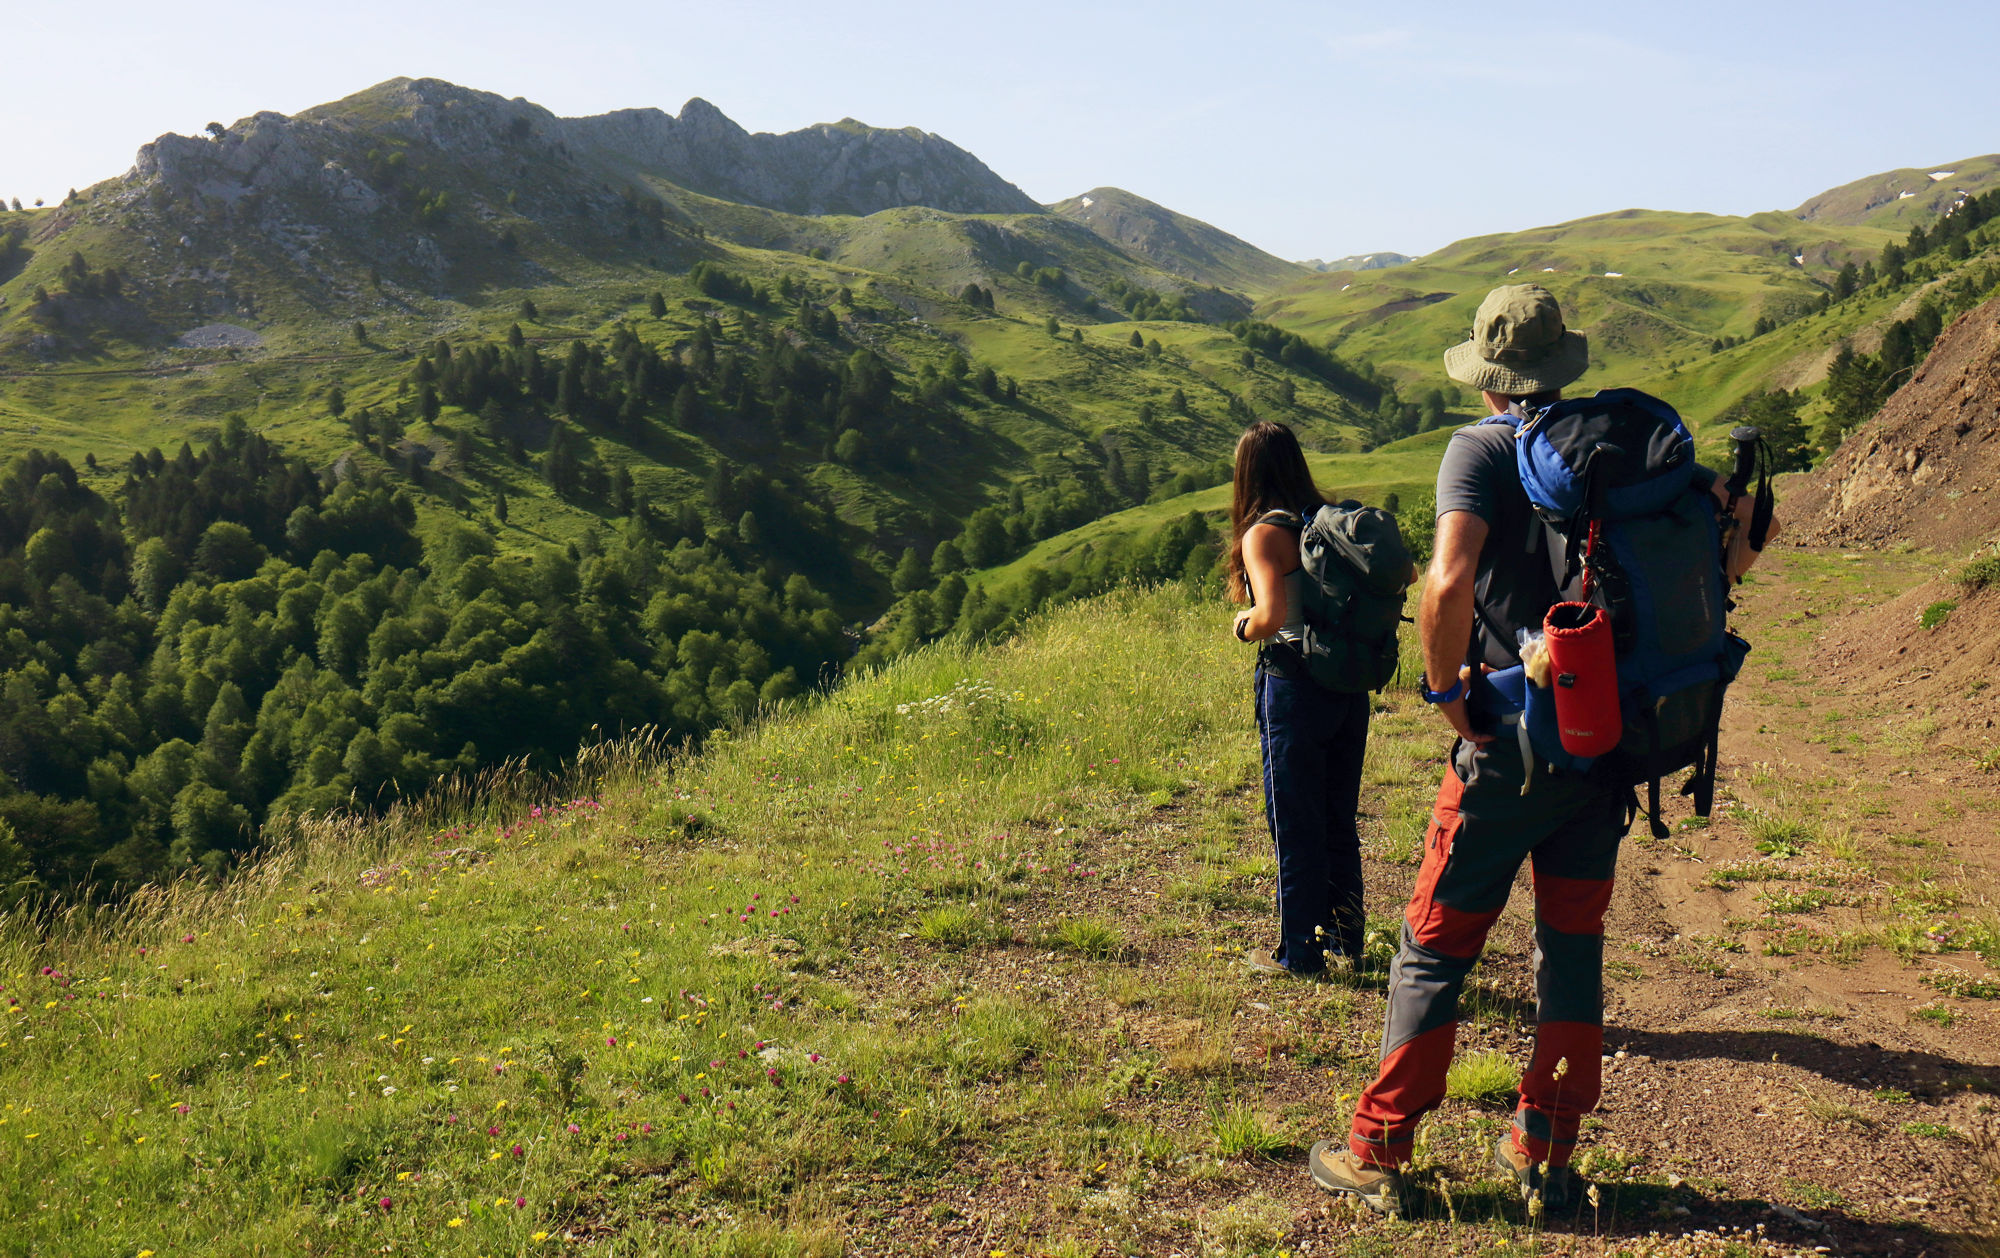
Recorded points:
1336,1169
1556,1184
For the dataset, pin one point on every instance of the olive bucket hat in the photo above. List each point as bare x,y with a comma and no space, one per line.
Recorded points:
1519,345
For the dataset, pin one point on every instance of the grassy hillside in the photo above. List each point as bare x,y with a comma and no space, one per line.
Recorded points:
1646,286
1406,469
1901,199
633,1009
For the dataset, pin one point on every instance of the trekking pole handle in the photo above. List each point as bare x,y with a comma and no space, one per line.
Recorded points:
1746,437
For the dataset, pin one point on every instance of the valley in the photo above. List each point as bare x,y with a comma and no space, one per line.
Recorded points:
620,684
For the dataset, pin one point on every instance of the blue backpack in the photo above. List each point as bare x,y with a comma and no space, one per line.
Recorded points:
1627,529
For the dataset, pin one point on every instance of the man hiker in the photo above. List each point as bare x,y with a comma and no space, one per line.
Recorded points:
1489,578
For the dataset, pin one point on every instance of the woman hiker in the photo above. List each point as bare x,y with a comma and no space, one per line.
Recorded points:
1313,738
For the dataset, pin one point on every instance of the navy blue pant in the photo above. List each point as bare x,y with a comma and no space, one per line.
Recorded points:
1313,743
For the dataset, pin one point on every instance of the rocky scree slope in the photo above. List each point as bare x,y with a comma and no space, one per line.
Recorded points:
1926,469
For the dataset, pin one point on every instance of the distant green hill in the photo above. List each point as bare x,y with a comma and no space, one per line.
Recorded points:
1176,243
1901,199
1645,286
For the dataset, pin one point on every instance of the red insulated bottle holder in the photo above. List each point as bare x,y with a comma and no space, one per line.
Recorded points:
1583,672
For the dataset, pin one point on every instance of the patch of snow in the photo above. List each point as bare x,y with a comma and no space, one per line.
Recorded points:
1087,203
1614,275
1942,174
1547,270
1798,259
1345,287
1515,269
1904,196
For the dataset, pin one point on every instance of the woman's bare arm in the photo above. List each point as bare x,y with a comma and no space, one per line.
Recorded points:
1269,553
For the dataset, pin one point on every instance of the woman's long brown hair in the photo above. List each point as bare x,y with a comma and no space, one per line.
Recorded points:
1271,475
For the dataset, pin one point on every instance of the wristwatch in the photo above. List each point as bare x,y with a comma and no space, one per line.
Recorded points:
1442,696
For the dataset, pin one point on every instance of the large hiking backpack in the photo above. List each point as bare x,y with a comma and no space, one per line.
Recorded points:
1356,573
1628,530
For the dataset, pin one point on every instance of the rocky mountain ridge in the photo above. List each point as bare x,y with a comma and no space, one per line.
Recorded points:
838,168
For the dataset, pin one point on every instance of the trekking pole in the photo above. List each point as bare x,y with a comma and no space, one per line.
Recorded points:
1745,438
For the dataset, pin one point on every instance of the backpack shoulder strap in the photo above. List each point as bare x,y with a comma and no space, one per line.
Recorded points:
1283,519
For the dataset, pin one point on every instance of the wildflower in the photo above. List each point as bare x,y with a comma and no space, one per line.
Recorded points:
520,1203
492,1131
611,1041
842,1079
646,1129
574,1130
455,1223
519,1152
386,1204
814,1058
539,1236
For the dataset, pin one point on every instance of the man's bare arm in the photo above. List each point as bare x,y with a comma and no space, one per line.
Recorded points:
1444,621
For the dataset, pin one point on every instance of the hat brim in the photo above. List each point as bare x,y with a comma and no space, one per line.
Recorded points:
1569,361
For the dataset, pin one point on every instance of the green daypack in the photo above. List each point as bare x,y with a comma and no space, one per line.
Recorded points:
1356,576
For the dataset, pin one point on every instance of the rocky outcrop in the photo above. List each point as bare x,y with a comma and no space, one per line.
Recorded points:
833,168
262,153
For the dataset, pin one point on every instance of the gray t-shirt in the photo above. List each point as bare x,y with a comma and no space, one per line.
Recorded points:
1516,584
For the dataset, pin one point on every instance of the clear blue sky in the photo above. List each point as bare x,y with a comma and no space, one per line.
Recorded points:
1308,129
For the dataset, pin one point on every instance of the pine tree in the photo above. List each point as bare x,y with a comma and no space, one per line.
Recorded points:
687,407
528,310
657,306
1137,341
1846,282
912,573
500,505
336,402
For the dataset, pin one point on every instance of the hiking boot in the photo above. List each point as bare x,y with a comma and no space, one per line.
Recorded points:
1336,1169
1261,960
1556,1184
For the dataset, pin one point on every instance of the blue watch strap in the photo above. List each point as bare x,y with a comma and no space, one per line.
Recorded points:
1442,696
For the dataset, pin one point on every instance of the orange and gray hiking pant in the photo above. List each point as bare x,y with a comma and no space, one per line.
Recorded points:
1481,830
